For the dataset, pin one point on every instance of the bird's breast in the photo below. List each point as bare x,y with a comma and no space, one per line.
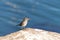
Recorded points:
24,23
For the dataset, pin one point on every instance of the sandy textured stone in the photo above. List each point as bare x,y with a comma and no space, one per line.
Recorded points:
32,34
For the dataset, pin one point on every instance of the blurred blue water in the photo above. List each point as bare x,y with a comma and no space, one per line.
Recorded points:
43,14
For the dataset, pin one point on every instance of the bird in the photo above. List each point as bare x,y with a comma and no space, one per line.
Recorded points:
24,22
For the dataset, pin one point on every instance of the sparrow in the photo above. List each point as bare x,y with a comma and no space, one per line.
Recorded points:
24,22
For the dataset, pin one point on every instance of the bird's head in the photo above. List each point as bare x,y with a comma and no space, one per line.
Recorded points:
26,18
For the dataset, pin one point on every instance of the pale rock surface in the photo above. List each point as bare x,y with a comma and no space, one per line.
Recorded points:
32,34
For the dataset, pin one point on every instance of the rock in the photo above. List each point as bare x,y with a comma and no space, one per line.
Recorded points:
32,34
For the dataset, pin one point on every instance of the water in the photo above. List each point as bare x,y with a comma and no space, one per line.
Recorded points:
43,14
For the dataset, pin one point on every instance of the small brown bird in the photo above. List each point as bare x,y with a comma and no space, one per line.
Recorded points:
24,22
